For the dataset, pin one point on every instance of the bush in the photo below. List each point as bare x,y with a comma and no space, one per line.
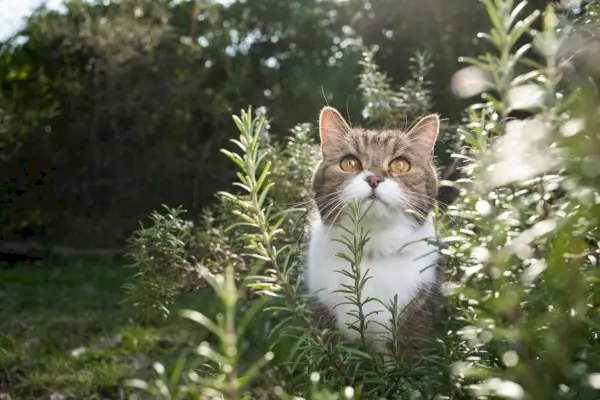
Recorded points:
521,245
159,255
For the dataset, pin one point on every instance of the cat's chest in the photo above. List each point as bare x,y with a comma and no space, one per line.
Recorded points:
398,275
385,277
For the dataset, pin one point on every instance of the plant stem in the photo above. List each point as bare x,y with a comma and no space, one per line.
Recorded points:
271,255
231,347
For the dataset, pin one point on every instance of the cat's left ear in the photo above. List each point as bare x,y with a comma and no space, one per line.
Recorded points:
424,134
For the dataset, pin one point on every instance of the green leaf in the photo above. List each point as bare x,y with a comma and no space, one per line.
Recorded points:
522,27
265,193
249,315
202,320
263,175
240,125
358,353
524,78
234,157
241,145
241,185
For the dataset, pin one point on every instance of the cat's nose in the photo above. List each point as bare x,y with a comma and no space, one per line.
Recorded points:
373,180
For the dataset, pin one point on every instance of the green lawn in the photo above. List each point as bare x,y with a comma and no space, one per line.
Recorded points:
64,329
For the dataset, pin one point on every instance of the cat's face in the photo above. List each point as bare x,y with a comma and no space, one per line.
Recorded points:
389,171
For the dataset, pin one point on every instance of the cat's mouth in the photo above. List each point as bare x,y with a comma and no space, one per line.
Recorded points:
375,198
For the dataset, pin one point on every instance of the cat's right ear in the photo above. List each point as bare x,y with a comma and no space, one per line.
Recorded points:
332,127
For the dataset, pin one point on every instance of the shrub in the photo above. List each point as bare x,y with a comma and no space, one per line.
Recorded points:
521,244
526,235
159,255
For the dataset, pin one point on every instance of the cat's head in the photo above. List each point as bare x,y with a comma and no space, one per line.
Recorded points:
389,171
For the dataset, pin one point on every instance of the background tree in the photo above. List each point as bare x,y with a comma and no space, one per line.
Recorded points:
110,109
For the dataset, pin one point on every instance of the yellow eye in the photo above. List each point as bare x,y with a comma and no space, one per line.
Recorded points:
399,166
350,164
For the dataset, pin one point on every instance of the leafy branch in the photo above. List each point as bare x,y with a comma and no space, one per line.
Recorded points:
355,238
255,212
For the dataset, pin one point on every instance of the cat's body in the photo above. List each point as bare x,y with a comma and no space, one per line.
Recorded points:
393,272
389,173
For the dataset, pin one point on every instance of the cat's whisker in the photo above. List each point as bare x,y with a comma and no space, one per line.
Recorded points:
423,196
425,199
424,215
299,204
424,202
330,194
407,205
330,209
324,206
333,209
310,201
411,191
343,208
328,199
300,219
420,207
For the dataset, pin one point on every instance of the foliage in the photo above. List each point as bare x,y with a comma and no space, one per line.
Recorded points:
8,141
94,130
383,105
217,245
95,146
526,237
213,246
273,275
521,243
159,255
217,369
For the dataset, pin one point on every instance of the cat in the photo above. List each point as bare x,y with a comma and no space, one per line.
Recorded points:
391,174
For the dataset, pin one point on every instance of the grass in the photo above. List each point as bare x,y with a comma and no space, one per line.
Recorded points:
64,330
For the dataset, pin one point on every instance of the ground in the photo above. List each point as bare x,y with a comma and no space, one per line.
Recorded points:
65,330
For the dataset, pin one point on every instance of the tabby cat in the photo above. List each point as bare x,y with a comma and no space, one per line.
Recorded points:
391,174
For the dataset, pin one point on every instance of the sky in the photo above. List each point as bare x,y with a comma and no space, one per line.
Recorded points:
12,13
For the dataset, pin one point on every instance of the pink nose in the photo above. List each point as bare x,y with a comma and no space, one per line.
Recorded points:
374,180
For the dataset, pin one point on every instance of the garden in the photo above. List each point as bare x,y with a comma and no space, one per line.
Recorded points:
157,159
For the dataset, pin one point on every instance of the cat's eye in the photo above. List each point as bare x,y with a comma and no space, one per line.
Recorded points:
399,166
350,164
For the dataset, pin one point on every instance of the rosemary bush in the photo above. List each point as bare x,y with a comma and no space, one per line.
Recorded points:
159,254
525,255
520,245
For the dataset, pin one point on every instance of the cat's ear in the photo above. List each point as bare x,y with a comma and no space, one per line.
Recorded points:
424,134
332,127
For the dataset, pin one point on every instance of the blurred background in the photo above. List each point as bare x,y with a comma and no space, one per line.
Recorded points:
109,109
